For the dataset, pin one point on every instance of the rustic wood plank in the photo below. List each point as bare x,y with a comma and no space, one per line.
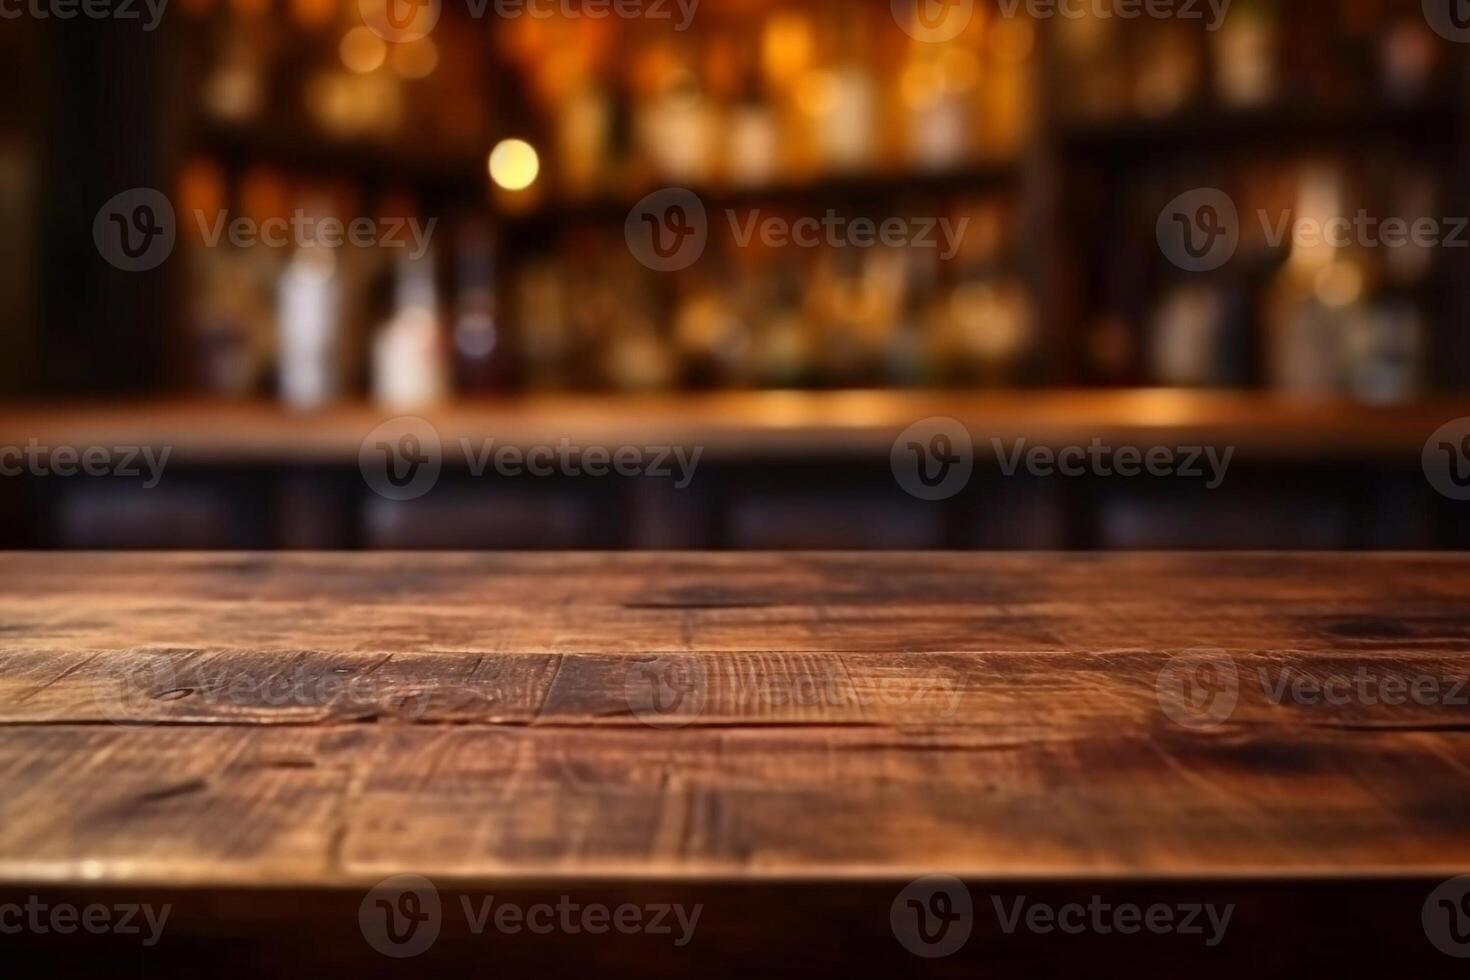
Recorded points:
325,720
640,603
346,807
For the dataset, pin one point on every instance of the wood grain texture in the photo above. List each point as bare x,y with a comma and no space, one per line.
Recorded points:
325,720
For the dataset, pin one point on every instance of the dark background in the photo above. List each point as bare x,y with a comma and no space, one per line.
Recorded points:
1065,138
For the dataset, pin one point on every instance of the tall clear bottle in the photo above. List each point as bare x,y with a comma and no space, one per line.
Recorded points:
409,362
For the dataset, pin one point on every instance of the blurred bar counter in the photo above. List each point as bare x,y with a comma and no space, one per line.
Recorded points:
756,425
759,470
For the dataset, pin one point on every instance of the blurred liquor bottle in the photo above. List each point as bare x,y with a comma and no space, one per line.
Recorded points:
1334,324
229,312
988,325
408,354
546,342
1246,53
841,96
936,92
309,368
909,359
482,346
752,150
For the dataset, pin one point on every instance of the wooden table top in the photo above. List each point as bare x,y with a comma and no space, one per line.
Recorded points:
212,719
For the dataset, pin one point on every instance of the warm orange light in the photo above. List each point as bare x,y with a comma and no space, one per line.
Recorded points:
786,49
201,191
514,165
362,51
1012,40
415,59
921,84
313,13
961,69
817,93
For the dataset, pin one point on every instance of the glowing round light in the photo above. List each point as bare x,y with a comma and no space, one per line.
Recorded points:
362,51
416,59
514,164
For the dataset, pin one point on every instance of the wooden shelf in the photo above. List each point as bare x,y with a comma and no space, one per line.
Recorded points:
380,163
834,189
366,160
1290,125
740,425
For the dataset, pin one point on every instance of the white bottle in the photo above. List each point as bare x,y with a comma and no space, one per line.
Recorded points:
307,322
410,368
847,129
